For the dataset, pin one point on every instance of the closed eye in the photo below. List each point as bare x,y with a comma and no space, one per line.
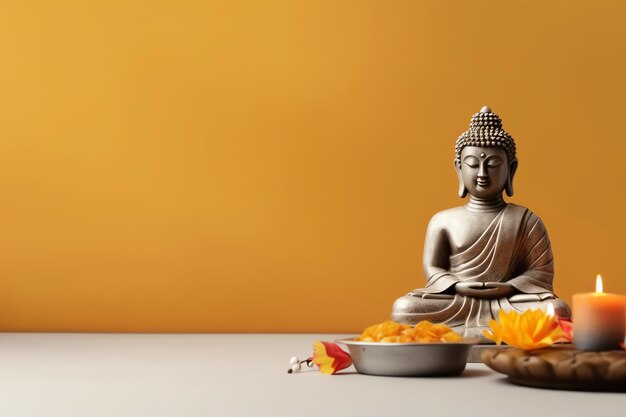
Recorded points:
471,161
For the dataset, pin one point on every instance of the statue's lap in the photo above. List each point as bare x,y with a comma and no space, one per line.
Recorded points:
411,309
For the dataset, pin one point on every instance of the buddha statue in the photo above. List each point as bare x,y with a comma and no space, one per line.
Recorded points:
487,255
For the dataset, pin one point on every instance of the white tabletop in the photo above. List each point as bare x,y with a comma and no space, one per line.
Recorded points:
153,375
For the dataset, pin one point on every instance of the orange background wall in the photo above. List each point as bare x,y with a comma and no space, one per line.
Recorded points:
271,166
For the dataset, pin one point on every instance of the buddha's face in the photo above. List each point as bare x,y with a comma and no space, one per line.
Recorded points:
484,171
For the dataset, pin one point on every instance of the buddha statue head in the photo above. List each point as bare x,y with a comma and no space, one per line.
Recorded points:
485,159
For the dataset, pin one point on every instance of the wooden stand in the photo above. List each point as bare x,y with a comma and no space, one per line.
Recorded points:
560,368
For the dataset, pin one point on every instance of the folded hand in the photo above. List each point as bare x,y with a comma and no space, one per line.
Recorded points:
484,289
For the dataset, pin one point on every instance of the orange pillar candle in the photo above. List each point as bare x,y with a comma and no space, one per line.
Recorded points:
598,319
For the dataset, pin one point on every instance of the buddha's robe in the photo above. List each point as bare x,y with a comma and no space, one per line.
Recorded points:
514,249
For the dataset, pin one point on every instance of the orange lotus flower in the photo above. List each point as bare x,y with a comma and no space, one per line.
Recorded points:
330,358
532,329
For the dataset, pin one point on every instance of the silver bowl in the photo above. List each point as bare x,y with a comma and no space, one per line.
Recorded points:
409,359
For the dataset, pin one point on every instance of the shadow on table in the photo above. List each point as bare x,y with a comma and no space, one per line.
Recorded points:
468,373
473,373
589,390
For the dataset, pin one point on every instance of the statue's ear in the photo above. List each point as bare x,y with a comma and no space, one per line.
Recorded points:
462,187
509,181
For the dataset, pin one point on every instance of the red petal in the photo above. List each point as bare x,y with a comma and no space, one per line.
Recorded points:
568,328
341,358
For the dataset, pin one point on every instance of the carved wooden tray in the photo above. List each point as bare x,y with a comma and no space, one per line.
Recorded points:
561,368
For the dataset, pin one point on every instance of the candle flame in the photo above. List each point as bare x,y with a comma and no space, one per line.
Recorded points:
599,284
550,310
